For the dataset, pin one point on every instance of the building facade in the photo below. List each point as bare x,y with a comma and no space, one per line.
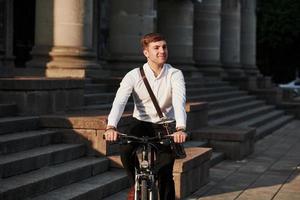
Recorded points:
92,38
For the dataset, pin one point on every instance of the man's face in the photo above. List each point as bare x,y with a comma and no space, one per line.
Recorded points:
157,52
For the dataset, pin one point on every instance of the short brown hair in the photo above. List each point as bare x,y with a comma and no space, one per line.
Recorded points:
151,37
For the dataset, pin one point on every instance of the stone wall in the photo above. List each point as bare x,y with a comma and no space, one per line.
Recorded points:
36,96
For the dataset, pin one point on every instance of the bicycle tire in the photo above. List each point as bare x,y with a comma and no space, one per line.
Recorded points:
144,190
154,192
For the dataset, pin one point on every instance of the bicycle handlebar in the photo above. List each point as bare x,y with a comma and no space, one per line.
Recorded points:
163,139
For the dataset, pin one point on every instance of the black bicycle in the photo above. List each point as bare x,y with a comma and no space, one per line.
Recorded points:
145,180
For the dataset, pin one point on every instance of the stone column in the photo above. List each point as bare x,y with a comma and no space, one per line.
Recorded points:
129,20
230,37
43,35
175,22
2,33
207,33
6,48
248,37
74,52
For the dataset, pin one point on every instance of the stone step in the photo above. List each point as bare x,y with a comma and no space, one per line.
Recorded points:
216,97
50,178
202,90
272,126
216,158
209,82
21,162
229,102
39,83
85,120
263,119
222,112
96,88
88,80
235,119
8,110
192,85
107,80
216,83
99,98
195,143
235,142
94,188
102,107
20,141
17,124
118,196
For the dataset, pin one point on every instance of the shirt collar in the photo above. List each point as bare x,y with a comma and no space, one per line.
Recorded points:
151,73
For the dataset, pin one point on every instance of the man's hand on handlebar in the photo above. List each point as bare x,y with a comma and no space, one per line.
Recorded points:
111,134
179,136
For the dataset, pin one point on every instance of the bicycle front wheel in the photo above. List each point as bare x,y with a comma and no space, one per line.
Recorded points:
144,190
154,193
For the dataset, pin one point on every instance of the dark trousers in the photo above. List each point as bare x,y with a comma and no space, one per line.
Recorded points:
164,158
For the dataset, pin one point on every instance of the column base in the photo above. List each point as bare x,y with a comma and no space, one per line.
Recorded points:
233,70
76,73
245,83
73,62
211,69
251,70
40,57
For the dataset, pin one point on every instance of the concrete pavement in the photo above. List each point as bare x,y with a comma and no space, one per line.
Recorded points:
271,172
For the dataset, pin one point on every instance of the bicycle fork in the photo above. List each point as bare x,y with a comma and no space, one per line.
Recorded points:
145,183
145,186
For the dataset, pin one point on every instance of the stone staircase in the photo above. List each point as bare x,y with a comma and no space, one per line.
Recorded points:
234,107
37,163
43,163
8,109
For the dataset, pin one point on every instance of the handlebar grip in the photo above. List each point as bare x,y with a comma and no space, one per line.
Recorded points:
119,136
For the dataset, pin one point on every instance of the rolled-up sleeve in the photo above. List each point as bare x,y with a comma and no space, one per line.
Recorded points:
179,98
120,101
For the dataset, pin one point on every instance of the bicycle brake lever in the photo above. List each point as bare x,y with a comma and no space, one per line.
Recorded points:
166,141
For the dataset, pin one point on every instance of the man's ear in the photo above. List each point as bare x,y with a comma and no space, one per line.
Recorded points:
145,53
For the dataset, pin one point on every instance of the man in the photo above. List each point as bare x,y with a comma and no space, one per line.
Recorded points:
168,87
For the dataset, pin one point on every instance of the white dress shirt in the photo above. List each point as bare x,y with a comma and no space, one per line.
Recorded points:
168,87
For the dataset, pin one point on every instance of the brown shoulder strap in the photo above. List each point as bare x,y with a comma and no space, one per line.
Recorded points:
153,98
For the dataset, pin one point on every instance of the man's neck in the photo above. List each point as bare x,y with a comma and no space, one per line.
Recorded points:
155,68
